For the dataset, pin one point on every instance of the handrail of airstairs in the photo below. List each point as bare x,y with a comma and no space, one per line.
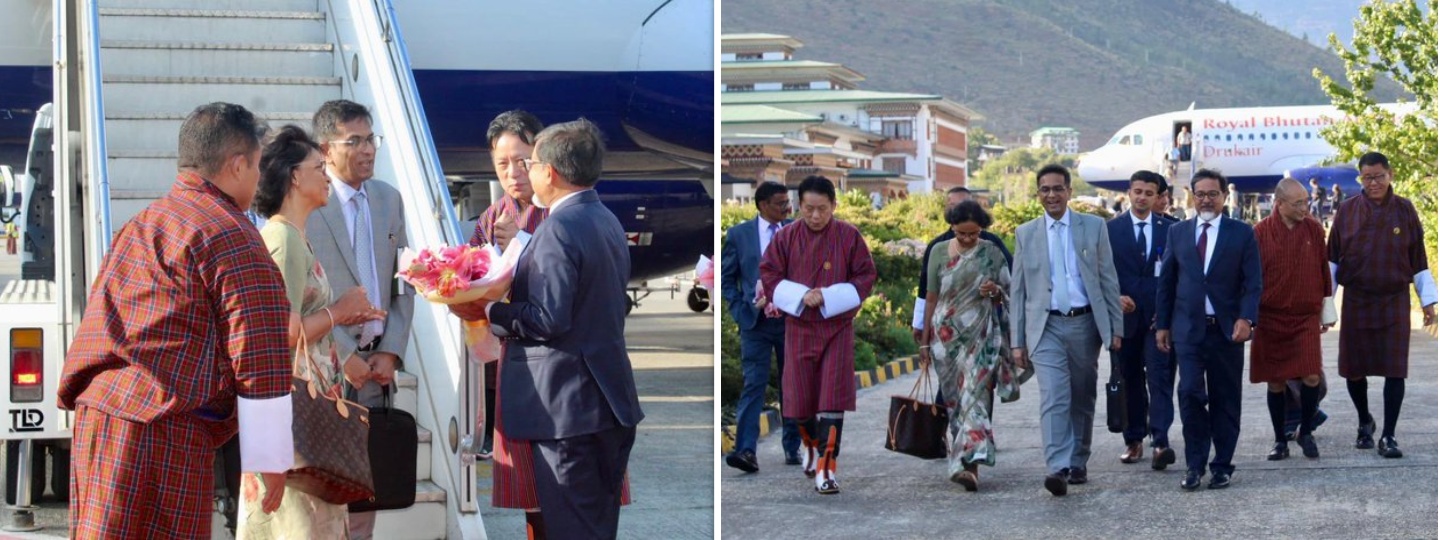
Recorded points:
372,58
92,103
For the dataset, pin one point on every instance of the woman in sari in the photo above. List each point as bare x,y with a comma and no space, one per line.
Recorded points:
292,185
966,337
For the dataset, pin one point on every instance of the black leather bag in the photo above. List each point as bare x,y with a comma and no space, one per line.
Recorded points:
393,443
915,427
1115,409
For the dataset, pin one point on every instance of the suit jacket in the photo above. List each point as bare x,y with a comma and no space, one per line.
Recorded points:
1137,273
740,270
1233,282
1030,280
330,238
566,370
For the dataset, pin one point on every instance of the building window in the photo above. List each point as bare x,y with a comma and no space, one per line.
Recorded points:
795,86
739,88
898,129
749,57
893,164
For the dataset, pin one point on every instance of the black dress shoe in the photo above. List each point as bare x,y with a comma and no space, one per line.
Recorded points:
1055,483
1281,451
1388,448
792,457
1077,476
1307,446
1365,436
744,461
1191,481
1220,480
1163,457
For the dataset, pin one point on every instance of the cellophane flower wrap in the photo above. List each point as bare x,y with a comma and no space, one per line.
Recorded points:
705,273
464,274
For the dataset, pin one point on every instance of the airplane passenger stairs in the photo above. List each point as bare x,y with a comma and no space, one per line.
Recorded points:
281,59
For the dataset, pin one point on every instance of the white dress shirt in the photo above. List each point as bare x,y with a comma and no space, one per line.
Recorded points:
1210,235
1149,229
765,234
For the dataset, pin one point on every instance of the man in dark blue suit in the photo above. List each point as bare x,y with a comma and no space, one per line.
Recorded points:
567,385
760,336
1138,239
1209,298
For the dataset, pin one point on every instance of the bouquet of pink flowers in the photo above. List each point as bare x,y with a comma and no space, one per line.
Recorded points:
458,274
705,273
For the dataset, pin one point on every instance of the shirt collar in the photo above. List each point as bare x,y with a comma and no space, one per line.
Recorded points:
343,191
557,202
1149,219
764,223
1050,222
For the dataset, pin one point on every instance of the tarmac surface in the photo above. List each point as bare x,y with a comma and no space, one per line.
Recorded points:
672,350
1346,493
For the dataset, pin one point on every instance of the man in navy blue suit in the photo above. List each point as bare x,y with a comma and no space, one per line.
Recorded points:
1137,239
567,385
760,336
1209,298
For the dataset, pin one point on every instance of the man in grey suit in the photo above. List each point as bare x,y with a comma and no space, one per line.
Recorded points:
1065,301
568,387
357,238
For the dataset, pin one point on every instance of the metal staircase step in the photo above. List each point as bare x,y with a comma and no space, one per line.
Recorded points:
261,5
212,25
166,94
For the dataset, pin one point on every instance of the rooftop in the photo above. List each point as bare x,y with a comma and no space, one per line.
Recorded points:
819,96
756,114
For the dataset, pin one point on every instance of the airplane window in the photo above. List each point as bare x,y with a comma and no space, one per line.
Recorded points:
1139,139
1252,136
1307,135
1125,140
1285,136
1227,137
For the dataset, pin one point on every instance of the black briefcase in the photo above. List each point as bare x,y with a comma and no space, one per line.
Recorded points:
393,443
1115,407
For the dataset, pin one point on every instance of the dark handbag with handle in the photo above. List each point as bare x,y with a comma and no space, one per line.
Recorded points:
331,440
915,427
1115,409
393,443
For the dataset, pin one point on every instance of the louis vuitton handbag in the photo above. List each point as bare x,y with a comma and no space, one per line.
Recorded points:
332,435
915,427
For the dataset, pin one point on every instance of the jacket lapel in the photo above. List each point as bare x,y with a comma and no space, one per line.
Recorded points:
334,219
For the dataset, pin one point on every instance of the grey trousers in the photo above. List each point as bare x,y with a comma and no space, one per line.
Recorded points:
1065,362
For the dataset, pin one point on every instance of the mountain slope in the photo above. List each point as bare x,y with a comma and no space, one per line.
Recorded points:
1094,65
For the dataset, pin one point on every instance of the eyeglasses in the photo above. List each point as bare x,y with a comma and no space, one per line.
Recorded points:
1372,178
528,163
1208,194
1047,190
373,141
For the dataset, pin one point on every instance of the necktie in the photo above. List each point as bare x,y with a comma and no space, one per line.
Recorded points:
1144,245
769,235
1057,260
1200,247
364,245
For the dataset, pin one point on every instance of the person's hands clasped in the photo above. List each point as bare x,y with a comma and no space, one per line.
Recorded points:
989,289
354,307
814,298
382,367
357,370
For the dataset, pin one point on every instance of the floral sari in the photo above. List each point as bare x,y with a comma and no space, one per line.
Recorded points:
971,349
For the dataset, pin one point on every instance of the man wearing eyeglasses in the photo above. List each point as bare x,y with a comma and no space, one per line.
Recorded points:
1377,252
1205,311
1065,304
357,238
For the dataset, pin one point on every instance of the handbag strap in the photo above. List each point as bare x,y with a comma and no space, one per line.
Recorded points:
924,379
313,369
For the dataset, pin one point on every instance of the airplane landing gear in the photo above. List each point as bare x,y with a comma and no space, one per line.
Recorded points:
698,299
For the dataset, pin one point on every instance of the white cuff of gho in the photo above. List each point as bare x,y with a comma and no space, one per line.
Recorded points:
266,443
790,297
1425,287
1327,311
918,320
839,298
1334,285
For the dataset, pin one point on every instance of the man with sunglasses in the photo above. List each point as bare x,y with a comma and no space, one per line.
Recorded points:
1377,251
357,239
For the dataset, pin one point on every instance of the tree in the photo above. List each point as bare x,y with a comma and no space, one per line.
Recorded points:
1395,40
978,137
1011,176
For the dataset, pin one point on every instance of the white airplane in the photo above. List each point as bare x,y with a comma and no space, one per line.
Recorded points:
1253,147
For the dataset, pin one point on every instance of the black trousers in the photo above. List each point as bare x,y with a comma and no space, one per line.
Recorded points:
578,481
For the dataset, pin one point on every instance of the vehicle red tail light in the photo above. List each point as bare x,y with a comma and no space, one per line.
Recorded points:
27,365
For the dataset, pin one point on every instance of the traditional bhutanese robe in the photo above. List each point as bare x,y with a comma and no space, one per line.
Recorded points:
528,219
1379,248
1297,280
819,343
513,470
187,312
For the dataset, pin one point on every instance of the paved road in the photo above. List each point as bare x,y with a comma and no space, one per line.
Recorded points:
1346,493
673,351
